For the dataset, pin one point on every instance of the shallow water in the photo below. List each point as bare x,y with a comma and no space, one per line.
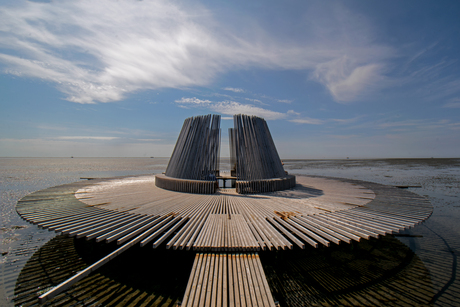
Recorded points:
436,242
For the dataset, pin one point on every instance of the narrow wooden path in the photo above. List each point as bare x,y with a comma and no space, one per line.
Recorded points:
227,280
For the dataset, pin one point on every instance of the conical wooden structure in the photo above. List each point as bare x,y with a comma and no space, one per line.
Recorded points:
194,163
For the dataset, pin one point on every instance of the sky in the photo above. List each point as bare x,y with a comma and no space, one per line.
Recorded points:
333,79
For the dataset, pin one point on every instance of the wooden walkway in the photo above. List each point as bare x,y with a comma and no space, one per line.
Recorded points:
132,210
227,280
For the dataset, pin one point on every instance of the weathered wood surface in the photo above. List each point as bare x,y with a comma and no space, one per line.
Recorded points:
318,211
227,280
133,210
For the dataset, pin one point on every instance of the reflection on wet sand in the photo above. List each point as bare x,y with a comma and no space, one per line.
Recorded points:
140,277
369,273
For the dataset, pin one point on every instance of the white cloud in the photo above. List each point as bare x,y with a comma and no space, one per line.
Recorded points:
236,90
104,50
232,108
99,51
347,80
292,112
346,120
284,100
193,100
253,100
307,120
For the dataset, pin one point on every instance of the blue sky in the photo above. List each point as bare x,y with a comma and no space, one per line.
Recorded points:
333,79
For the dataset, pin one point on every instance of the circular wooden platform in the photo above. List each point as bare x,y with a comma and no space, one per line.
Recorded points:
318,211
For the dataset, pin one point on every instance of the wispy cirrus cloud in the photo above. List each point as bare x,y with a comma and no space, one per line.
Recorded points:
401,123
307,120
315,121
292,112
235,90
254,100
346,120
101,51
99,138
149,140
452,104
193,100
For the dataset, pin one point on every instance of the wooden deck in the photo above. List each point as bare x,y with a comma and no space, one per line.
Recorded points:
132,210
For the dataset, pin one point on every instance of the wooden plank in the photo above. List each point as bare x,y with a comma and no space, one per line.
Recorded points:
203,282
211,276
286,233
226,280
191,285
232,285
239,276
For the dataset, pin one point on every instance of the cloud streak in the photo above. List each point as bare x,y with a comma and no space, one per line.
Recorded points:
98,138
307,120
193,100
235,90
452,104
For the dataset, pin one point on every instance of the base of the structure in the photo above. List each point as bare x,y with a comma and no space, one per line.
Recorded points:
211,187
265,185
186,185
